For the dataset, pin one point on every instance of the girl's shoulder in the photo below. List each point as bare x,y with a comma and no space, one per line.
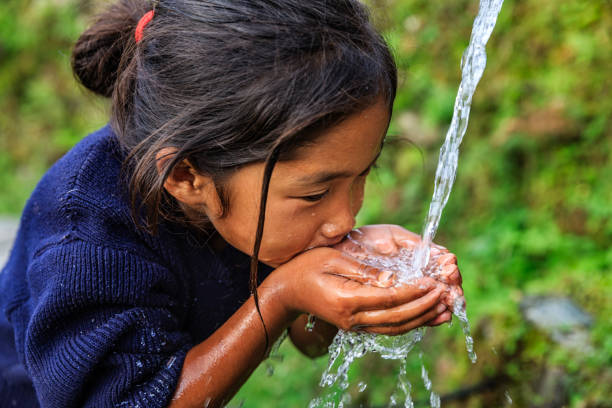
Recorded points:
81,196
87,174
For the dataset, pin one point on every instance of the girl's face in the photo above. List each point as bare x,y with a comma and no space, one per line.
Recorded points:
313,199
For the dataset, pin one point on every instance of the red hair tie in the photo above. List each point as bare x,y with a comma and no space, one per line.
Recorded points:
142,23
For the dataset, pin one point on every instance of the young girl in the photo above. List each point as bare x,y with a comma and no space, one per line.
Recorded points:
241,132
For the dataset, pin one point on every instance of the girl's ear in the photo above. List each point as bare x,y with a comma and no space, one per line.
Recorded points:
195,190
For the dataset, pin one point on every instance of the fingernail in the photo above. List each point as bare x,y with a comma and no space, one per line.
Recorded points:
440,308
385,276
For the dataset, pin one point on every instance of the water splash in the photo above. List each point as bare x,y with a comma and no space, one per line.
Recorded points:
460,313
362,386
434,399
310,324
275,355
508,397
411,265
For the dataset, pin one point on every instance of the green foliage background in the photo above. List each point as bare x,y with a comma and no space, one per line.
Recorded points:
530,213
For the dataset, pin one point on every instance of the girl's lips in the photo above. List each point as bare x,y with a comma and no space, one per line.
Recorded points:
326,244
334,242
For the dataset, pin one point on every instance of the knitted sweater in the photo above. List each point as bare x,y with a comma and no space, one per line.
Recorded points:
97,313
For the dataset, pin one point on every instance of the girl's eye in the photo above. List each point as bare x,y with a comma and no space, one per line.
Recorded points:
315,197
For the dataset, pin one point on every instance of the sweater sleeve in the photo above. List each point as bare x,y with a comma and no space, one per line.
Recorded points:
105,328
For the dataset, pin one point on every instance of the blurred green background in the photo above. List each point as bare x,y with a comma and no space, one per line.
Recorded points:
530,214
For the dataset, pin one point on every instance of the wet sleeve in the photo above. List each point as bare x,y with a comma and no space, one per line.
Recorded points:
105,328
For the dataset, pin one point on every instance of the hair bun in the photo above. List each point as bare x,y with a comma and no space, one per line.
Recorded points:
97,54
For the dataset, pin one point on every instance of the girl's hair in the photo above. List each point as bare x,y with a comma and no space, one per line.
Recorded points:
227,83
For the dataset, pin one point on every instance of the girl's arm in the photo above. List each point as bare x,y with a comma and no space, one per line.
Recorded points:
323,282
216,368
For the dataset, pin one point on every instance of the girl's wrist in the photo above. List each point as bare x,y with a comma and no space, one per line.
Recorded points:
274,295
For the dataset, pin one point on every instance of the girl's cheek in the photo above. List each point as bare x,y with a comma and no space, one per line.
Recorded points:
296,234
358,192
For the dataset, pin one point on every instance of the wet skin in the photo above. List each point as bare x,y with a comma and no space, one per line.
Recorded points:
312,204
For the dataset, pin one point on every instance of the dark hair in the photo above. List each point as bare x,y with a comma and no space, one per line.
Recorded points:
228,83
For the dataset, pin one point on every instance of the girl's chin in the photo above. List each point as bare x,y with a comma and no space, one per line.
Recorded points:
277,261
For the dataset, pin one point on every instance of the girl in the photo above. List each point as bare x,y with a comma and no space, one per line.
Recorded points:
240,137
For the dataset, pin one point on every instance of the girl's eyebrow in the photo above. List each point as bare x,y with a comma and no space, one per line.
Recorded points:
327,176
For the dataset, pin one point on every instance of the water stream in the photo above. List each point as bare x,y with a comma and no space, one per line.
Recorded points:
412,264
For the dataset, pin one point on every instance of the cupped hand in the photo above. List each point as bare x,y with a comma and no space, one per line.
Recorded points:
383,239
337,288
387,240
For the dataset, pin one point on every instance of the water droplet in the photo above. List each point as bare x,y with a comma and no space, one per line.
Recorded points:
310,324
170,361
508,398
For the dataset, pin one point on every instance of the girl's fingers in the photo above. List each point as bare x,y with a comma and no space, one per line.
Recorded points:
449,269
450,274
386,279
440,319
372,277
366,288
409,240
404,238
400,315
386,239
403,328
352,248
385,247
377,299
350,268
447,259
379,238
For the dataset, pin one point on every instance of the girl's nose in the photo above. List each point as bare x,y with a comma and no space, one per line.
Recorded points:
339,224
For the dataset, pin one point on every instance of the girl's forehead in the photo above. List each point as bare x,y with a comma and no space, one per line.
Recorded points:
344,150
360,131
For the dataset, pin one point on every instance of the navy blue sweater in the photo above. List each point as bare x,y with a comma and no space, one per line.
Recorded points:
97,313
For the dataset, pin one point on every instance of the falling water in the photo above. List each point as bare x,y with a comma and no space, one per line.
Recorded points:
473,63
348,346
434,399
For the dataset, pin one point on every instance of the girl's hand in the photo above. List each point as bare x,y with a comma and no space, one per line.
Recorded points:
336,288
388,240
382,239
